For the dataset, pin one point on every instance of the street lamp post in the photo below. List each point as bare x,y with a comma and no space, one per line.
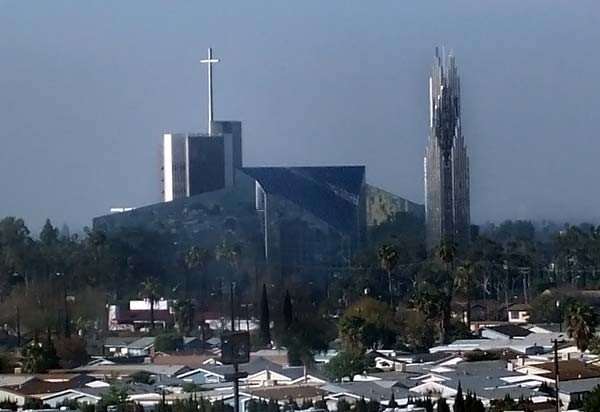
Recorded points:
559,316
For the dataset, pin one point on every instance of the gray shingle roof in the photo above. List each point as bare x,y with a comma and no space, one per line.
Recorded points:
513,331
370,390
579,385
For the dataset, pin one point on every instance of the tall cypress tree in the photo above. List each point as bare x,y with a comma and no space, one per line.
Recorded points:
442,406
288,314
265,319
392,403
459,400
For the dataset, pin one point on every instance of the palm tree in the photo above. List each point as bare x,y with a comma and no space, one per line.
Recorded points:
197,259
150,291
230,253
463,282
184,315
447,254
388,259
581,325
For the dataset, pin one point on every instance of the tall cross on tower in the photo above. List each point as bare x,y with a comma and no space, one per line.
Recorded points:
210,61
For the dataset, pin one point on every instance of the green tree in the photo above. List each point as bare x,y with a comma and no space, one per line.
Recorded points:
197,259
142,377
366,323
71,351
464,284
592,401
442,405
581,325
265,319
373,406
49,234
418,332
388,259
544,308
38,357
343,405
15,251
231,254
392,403
426,403
7,363
116,396
6,404
346,364
305,337
447,254
288,313
472,404
459,400
150,291
361,405
184,316
168,342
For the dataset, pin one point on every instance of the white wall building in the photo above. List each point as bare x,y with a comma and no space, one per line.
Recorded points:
174,166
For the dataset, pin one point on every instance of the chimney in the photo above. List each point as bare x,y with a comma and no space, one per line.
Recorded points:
400,366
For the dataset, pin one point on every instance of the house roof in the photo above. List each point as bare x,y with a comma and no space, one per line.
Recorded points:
512,331
370,390
37,386
288,392
10,379
128,369
579,385
142,343
550,327
569,370
191,361
133,316
330,193
519,306
256,365
487,379
120,342
542,340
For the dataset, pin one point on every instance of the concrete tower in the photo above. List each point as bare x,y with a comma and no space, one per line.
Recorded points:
447,204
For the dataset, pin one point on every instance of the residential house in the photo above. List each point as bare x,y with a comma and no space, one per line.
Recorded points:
377,390
508,331
261,372
119,371
518,313
131,347
137,315
532,344
13,396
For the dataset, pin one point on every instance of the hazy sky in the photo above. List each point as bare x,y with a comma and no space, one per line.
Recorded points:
88,87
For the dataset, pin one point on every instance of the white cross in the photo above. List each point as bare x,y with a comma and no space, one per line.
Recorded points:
210,61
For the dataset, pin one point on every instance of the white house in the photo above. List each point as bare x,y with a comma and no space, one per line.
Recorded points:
518,313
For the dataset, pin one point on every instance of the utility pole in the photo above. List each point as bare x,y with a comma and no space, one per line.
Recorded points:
556,378
235,349
236,379
18,327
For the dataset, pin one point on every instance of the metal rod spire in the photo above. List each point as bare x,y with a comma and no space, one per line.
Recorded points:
210,61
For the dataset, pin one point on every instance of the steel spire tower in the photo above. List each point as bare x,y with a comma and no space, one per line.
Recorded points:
210,61
447,202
